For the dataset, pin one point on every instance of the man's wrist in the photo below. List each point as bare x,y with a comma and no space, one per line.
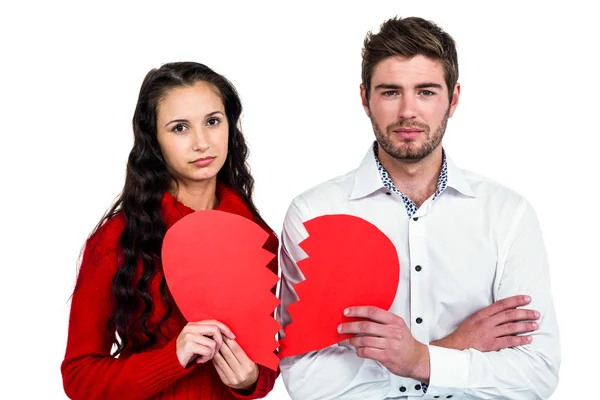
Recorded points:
446,342
421,368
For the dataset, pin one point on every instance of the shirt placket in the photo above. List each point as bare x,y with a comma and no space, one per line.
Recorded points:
420,310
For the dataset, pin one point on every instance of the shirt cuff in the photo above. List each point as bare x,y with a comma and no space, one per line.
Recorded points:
449,371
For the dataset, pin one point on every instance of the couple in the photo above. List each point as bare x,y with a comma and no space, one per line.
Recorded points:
471,251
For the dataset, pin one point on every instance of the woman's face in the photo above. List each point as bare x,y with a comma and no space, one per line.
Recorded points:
192,131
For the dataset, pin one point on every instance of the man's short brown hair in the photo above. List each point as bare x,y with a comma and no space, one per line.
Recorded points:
408,37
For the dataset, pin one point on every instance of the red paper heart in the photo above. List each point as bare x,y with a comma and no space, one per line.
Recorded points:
350,263
215,267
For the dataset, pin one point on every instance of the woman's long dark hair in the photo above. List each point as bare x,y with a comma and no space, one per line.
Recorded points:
146,181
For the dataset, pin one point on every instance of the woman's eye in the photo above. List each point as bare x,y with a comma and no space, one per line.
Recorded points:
179,128
213,121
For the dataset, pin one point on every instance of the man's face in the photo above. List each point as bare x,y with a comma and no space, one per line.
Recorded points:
409,106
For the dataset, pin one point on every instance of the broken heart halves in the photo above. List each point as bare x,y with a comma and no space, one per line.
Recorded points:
215,266
350,263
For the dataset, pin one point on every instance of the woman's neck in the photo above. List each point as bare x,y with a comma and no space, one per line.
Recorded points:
198,196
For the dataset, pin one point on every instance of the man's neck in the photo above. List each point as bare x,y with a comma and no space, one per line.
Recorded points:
417,180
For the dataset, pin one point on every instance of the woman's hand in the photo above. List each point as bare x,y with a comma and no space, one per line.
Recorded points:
234,367
200,341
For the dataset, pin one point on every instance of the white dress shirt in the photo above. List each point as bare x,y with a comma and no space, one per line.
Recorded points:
475,243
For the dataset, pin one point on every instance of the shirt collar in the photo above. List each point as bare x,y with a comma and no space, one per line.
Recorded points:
368,180
457,179
442,182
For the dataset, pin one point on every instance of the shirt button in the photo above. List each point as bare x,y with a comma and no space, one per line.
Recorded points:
436,397
417,387
418,268
388,193
419,320
449,396
402,389
415,218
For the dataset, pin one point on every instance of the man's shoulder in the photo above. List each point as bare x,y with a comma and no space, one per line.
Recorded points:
332,191
494,192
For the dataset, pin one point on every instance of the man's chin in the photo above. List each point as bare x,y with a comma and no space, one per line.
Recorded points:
407,152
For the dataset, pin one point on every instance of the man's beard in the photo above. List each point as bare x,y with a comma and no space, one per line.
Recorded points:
407,150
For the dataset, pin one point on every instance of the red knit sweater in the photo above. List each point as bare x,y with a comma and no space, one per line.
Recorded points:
89,372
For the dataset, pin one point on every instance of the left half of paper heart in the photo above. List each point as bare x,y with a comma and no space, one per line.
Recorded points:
216,268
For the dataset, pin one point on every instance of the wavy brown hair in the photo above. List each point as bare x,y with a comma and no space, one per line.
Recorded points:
146,181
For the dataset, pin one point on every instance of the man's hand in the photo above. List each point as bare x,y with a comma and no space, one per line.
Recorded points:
493,327
384,337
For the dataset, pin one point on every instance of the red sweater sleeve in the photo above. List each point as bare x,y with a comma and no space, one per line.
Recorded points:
264,384
89,371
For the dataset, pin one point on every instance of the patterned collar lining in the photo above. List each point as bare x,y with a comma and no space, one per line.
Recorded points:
411,207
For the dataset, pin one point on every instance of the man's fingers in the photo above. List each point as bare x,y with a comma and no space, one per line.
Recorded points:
373,313
514,315
504,304
516,327
364,328
505,342
373,354
369,341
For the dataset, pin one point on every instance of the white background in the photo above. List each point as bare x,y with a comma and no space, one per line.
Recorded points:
70,76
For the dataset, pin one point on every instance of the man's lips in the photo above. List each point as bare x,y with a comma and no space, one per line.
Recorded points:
408,133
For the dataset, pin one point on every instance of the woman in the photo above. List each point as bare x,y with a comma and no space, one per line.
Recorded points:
188,154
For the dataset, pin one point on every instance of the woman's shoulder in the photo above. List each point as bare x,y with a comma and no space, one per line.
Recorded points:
107,237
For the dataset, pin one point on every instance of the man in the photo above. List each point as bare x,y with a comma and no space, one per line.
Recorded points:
471,251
